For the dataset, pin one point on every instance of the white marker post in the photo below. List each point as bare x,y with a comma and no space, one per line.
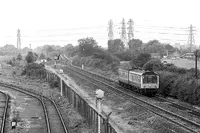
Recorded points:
99,96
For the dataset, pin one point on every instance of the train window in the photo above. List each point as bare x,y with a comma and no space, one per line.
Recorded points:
135,78
150,79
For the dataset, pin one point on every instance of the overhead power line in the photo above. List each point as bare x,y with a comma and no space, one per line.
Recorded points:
78,28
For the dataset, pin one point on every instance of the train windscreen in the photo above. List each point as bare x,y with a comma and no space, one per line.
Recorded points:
149,79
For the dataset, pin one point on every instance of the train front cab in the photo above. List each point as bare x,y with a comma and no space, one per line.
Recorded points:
149,83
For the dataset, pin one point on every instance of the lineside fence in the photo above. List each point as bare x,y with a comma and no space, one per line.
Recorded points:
81,105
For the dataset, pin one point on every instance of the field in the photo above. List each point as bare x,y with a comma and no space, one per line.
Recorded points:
184,63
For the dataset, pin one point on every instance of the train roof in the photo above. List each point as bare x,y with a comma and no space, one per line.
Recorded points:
139,72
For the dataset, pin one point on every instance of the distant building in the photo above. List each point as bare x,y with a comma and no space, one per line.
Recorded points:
188,55
155,55
175,54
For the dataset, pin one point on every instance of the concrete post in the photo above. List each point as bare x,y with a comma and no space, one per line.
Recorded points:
99,112
99,95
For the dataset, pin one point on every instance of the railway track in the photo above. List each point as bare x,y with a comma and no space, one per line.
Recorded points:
54,116
3,120
191,111
181,121
51,113
194,112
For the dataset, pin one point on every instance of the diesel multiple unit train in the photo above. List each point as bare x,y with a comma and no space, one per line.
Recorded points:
143,82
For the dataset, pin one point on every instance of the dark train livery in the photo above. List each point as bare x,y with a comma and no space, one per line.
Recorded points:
144,82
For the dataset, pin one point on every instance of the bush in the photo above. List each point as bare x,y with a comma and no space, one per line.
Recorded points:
124,56
140,59
192,72
38,68
19,57
153,65
31,57
185,89
166,81
13,62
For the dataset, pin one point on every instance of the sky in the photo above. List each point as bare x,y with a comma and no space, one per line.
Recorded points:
60,22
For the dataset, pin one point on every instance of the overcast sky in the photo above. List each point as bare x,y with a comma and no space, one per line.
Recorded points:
65,21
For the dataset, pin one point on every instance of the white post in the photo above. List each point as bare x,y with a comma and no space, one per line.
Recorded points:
99,96
82,66
99,112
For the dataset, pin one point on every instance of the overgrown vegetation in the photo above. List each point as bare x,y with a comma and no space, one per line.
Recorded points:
31,57
34,69
183,87
15,62
91,55
174,81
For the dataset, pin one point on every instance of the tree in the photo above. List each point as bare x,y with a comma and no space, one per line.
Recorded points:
42,56
154,46
153,65
49,49
169,47
31,57
135,44
69,50
115,46
87,46
35,56
124,55
140,60
68,47
19,57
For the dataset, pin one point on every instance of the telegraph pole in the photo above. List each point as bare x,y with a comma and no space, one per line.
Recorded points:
18,40
191,38
110,30
123,33
130,30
